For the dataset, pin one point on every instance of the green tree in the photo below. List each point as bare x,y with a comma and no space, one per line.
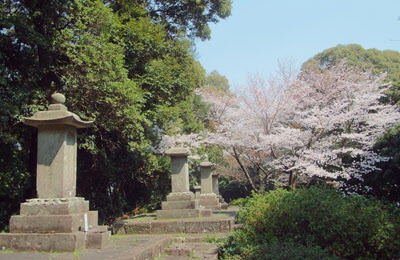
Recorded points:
166,71
217,81
179,16
28,56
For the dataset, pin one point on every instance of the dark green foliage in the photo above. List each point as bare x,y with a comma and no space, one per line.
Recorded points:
351,227
27,57
178,16
231,190
385,183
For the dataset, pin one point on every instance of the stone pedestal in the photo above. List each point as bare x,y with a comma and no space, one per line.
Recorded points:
208,199
181,202
56,220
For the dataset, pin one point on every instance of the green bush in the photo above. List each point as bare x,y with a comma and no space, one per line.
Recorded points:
289,251
350,227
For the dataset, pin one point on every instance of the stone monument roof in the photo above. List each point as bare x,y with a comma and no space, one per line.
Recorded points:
179,150
57,114
206,163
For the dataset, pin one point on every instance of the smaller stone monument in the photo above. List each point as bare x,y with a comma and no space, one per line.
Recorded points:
197,190
215,188
56,220
208,199
181,202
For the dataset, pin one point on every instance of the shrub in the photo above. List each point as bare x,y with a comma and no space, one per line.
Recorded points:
289,251
351,227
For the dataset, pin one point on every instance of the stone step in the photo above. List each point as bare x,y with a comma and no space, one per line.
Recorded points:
183,213
193,250
145,225
213,207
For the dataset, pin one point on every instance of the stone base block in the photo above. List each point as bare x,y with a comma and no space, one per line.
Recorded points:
183,213
97,239
56,206
209,201
205,202
99,229
184,204
66,242
224,205
180,196
52,223
180,250
93,218
178,213
138,228
205,212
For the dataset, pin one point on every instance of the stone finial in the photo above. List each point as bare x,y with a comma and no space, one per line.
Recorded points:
178,150
57,98
57,102
206,163
178,143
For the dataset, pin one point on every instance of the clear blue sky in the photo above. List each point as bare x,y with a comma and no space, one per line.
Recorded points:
261,32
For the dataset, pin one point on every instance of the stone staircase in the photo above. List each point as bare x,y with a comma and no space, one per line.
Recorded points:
185,248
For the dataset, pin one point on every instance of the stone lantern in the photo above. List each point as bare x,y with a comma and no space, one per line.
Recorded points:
56,220
208,198
181,202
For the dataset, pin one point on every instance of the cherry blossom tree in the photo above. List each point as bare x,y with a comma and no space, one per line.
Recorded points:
316,124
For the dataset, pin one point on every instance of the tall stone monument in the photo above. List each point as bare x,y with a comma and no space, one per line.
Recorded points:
181,202
208,198
56,220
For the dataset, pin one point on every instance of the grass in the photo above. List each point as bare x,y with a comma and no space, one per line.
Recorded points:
160,257
6,250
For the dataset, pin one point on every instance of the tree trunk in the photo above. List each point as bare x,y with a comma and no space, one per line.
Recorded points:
246,173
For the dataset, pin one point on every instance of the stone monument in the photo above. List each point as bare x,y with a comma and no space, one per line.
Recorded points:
215,189
197,190
208,198
181,202
56,220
